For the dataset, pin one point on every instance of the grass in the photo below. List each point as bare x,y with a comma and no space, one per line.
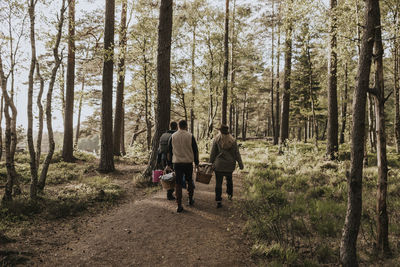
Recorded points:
71,188
295,204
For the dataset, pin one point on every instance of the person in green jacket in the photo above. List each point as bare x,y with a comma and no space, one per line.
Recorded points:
224,155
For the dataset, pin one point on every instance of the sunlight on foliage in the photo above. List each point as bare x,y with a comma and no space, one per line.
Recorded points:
296,203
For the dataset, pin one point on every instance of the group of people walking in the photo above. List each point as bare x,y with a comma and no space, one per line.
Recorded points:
178,151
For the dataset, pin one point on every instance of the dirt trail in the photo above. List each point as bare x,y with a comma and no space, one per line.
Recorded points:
149,232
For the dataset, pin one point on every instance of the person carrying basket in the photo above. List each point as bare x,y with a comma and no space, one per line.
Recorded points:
182,152
163,151
224,155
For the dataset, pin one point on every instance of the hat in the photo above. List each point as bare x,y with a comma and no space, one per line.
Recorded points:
224,129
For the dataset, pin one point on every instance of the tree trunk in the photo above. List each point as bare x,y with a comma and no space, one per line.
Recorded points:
244,117
40,108
106,148
284,127
312,102
68,143
371,123
163,108
123,151
57,63
348,250
31,146
272,70
78,125
233,74
192,117
382,235
226,66
344,104
10,135
62,90
277,105
396,69
121,82
1,121
211,90
146,98
237,129
332,146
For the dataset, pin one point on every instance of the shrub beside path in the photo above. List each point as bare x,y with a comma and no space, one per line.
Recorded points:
149,232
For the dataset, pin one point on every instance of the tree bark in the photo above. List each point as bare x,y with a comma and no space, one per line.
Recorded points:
233,103
68,143
226,66
40,108
31,146
310,83
106,148
284,126
382,233
371,123
272,69
332,146
146,98
244,117
49,97
1,121
192,116
348,249
78,124
121,82
10,135
344,104
123,151
163,107
62,91
277,105
396,69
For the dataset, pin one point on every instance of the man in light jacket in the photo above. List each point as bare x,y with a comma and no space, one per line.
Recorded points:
183,152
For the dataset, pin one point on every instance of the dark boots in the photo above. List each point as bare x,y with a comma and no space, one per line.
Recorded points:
170,195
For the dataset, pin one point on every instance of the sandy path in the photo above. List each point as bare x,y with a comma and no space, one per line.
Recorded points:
149,232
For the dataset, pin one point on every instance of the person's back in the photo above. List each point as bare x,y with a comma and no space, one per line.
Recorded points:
183,152
224,155
182,147
163,152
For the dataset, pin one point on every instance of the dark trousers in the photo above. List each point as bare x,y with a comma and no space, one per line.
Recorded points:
183,169
218,185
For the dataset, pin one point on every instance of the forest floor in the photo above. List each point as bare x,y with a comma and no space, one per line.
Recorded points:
143,229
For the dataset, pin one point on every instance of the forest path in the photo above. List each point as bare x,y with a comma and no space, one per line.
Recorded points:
149,232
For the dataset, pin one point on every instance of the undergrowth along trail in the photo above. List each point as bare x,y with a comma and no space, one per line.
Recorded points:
296,204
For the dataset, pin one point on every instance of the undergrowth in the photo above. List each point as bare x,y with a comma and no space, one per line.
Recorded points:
71,188
295,204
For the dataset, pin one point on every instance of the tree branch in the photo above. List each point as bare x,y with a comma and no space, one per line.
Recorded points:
387,98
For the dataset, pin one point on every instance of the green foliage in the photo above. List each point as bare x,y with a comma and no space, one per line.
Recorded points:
296,204
56,203
137,153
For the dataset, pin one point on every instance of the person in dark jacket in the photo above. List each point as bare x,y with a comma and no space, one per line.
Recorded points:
224,155
183,152
163,151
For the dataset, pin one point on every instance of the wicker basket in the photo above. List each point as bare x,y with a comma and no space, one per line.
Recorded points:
167,185
204,173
